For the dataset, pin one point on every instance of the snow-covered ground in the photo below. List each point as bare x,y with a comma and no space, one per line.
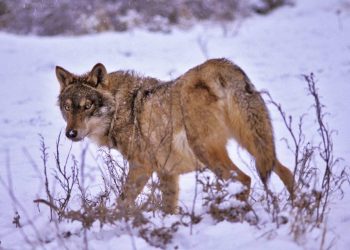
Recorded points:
275,50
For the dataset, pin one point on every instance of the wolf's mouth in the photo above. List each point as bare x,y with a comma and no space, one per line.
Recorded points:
76,139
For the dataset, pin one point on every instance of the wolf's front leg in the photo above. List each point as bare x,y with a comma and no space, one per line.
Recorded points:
136,179
169,186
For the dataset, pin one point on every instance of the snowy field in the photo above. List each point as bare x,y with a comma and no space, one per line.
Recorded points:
275,51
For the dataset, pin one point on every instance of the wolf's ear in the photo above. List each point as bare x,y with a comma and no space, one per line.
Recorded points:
98,75
63,76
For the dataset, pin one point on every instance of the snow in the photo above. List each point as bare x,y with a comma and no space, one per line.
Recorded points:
275,51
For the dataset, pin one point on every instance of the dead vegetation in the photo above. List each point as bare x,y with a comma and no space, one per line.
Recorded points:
319,174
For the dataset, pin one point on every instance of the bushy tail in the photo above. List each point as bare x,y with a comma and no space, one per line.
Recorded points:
251,125
261,144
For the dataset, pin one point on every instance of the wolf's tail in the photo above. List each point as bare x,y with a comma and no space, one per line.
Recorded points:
250,121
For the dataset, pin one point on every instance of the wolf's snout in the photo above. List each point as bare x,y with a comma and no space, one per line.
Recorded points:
72,134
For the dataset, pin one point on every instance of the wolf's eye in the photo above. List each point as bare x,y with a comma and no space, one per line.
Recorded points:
88,105
66,107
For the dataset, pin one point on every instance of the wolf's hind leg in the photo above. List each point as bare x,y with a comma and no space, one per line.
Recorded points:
286,176
218,161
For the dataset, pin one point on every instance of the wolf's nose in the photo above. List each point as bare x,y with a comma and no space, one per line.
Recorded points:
72,133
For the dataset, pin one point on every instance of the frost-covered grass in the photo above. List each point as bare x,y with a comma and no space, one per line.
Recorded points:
275,51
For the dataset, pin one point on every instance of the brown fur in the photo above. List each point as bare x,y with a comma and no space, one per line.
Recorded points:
172,127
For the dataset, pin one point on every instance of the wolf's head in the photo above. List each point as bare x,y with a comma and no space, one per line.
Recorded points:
85,103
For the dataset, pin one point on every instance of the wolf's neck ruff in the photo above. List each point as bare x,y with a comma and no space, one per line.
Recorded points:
112,140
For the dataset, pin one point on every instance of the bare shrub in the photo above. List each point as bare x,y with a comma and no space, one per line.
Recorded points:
90,209
222,199
333,176
66,179
313,161
102,207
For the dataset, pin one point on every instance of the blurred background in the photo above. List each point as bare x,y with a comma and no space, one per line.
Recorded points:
66,17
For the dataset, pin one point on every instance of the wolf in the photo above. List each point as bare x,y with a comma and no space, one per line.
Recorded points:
172,127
